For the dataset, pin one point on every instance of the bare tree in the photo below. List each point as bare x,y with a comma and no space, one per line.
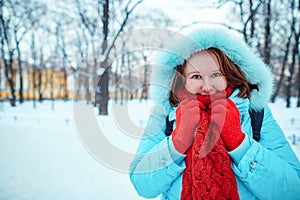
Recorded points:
34,67
292,67
28,14
106,49
283,67
90,22
20,18
5,42
144,94
82,47
65,56
42,67
130,44
297,52
248,15
267,34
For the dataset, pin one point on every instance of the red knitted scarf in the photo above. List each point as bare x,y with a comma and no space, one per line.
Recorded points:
208,173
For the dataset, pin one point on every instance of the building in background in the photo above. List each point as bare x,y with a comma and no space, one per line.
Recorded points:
38,83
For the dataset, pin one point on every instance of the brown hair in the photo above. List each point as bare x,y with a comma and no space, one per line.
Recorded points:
233,74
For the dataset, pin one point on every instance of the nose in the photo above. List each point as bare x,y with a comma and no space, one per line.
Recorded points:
206,87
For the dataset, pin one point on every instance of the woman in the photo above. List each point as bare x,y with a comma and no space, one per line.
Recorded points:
267,169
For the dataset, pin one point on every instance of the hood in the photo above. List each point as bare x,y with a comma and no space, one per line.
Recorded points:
183,46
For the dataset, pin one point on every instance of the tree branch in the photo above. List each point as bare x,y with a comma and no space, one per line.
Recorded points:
208,22
128,12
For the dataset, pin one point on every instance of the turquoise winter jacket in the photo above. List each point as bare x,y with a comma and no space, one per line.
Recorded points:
267,169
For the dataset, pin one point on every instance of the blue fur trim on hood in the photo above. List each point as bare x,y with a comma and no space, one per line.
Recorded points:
169,58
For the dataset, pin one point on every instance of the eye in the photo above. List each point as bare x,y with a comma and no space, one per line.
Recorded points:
196,76
216,75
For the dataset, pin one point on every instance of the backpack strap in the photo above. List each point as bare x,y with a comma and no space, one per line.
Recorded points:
256,122
169,126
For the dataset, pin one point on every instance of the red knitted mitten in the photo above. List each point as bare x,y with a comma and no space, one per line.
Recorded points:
187,120
226,116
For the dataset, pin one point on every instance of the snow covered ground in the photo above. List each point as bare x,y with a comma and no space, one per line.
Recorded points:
71,153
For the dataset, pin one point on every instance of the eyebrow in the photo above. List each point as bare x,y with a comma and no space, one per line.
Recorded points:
194,72
198,72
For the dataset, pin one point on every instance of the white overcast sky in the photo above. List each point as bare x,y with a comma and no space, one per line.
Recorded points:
188,11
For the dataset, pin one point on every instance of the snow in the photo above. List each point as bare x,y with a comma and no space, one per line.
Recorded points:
64,150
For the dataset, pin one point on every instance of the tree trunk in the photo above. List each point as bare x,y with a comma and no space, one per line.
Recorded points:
21,98
252,20
298,79
34,69
290,78
242,14
8,66
40,75
9,75
144,94
103,84
104,79
298,83
297,37
8,70
87,89
130,88
294,55
284,63
40,85
267,41
65,85
117,77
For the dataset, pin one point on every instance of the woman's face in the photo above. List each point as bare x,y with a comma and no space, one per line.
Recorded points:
203,75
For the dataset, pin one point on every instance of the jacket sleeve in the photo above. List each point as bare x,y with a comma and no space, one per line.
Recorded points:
153,169
270,168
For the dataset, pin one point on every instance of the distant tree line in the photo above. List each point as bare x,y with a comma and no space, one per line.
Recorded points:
85,37
77,36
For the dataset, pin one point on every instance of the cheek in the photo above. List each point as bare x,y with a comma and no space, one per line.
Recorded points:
190,86
222,84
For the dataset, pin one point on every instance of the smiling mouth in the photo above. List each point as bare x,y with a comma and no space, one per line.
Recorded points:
207,92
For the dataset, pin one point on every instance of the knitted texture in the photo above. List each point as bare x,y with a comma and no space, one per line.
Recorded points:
208,173
188,115
226,117
187,121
